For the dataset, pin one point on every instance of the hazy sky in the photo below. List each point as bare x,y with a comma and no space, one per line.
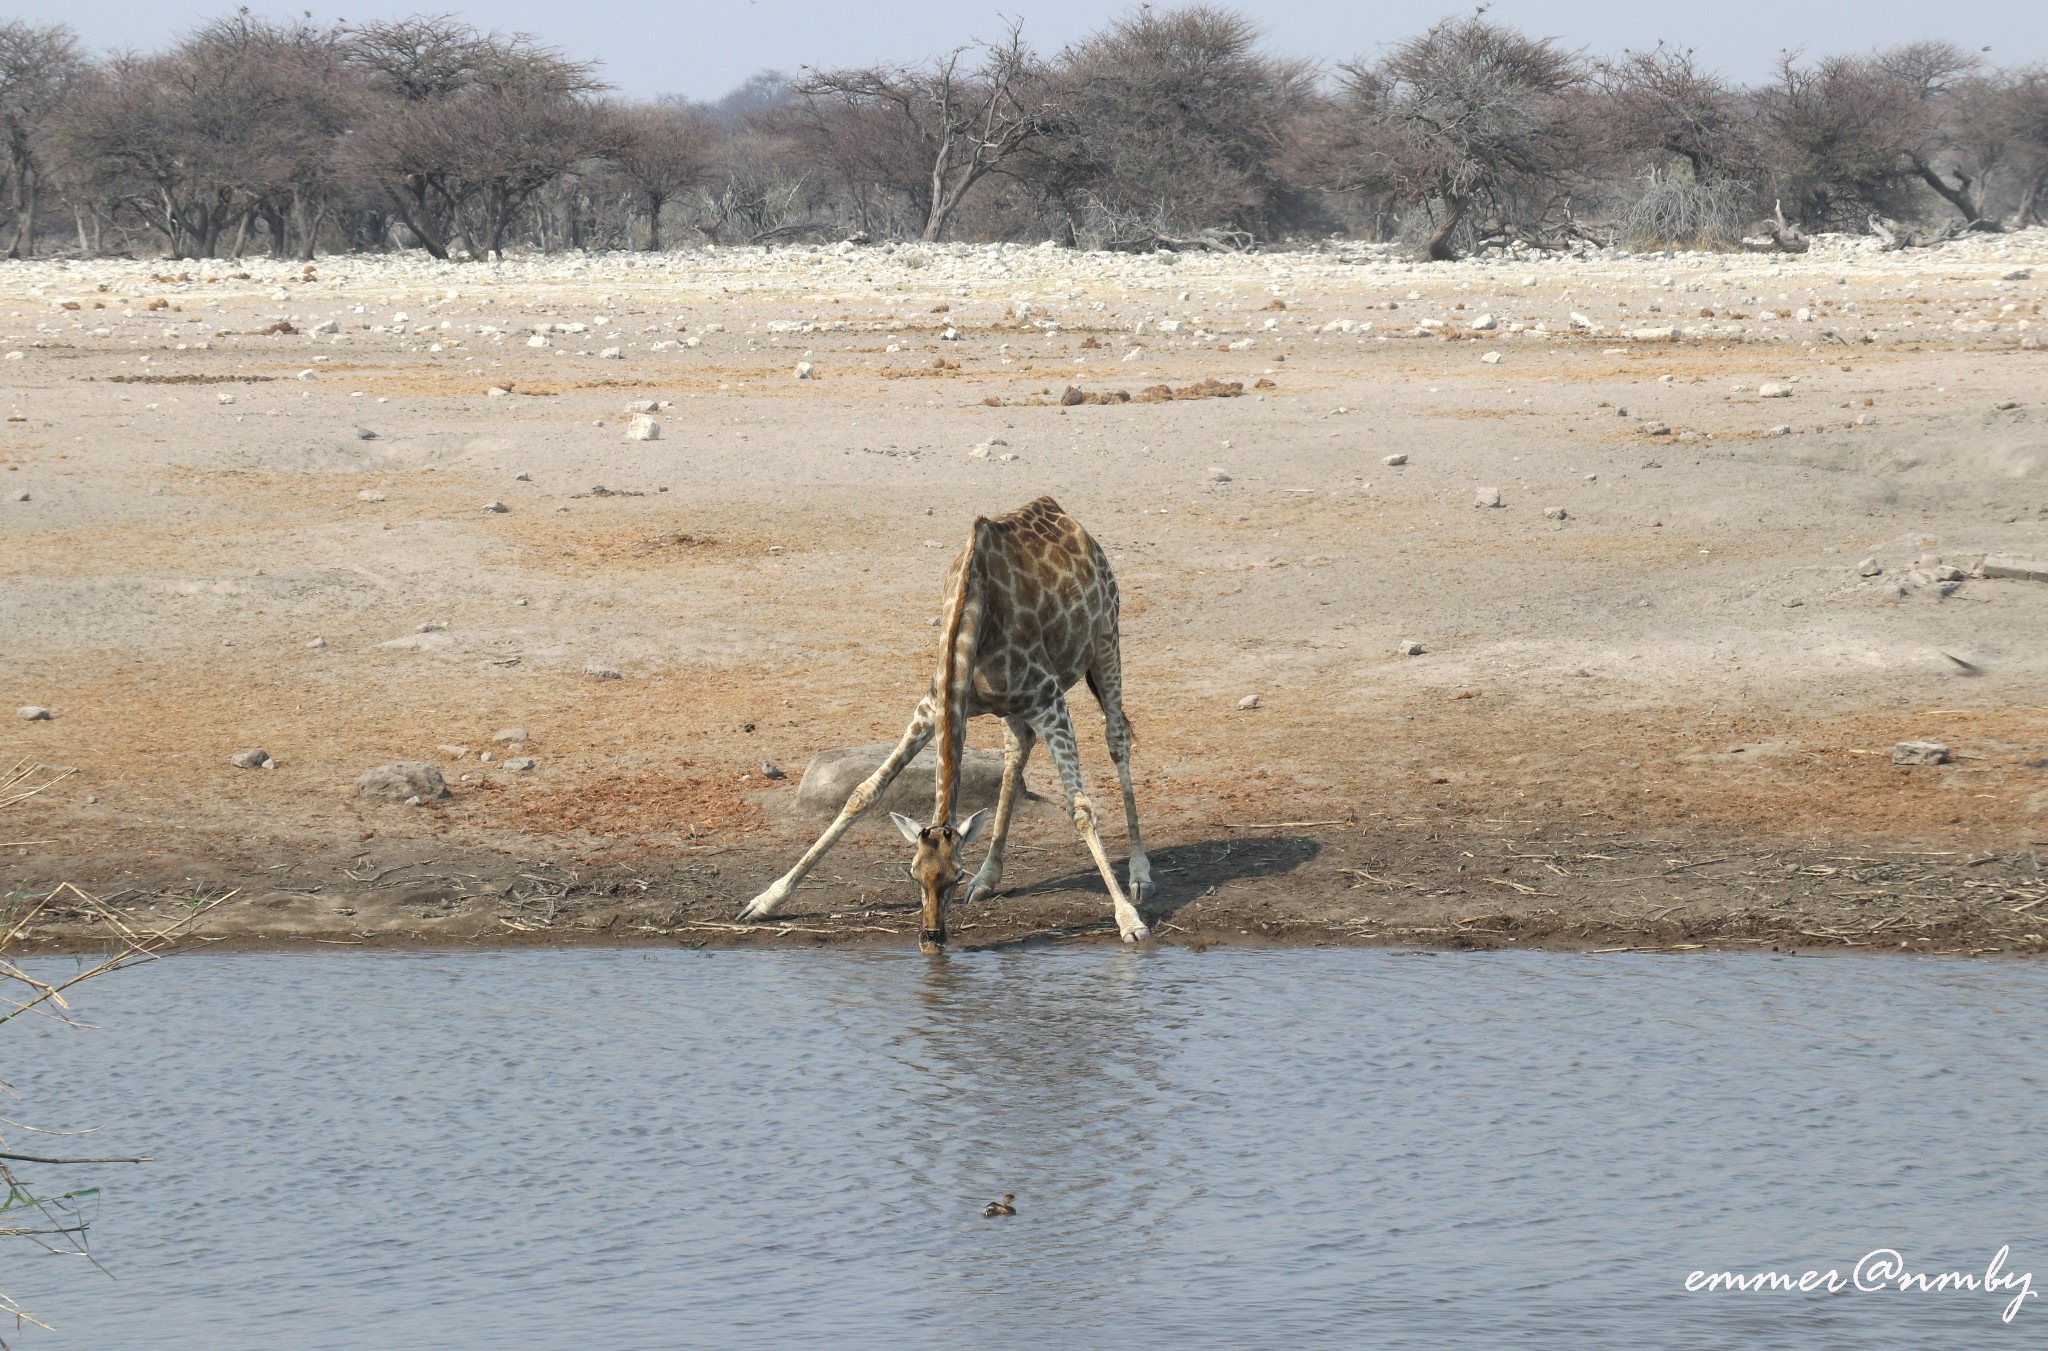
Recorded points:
703,50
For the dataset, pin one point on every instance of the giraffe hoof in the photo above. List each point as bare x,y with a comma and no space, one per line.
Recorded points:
979,891
1143,891
1139,934
761,907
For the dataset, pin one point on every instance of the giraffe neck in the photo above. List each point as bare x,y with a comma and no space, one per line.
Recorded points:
956,673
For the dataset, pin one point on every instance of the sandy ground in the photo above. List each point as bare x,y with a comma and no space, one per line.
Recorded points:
257,515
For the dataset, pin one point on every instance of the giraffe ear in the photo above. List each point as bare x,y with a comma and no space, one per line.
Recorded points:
972,826
909,827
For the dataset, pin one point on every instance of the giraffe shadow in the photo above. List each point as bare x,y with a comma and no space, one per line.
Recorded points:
1183,873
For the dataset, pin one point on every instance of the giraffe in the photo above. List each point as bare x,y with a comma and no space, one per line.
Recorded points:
1031,610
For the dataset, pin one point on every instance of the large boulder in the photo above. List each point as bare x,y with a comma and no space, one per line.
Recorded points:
833,774
403,780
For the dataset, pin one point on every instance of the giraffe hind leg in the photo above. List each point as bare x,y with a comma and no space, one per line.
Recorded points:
1018,738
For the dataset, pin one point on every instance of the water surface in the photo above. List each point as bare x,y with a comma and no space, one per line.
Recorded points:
628,1149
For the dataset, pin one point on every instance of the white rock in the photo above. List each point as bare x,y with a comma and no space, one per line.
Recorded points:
1868,568
494,392
1218,475
612,354
1395,459
509,734
32,713
1249,701
225,398
1553,513
643,428
257,758
1920,753
308,373
497,508
1410,649
804,370
1773,390
369,495
1491,358
536,341
602,672
19,495
1487,497
1485,323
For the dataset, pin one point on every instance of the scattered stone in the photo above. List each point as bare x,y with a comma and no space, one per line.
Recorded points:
317,643
2018,569
509,735
643,428
769,771
308,373
1395,459
324,328
33,713
1487,497
522,477
365,434
1792,602
1491,359
522,763
257,758
453,752
1249,701
642,406
1868,568
1218,475
497,392
434,626
1410,649
408,781
2004,405
2019,274
1780,430
1656,429
1949,573
369,495
602,672
486,757
612,354
19,495
1866,419
1667,334
497,508
1485,323
1553,513
804,370
1920,753
1773,391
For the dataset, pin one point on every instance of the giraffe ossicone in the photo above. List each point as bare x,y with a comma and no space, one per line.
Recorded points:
1031,611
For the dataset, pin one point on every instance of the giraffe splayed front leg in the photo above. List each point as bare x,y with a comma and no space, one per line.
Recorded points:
1056,728
859,800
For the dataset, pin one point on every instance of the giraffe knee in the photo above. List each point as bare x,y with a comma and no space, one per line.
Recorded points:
1084,813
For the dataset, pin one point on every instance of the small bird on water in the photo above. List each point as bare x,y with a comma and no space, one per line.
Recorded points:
1006,1206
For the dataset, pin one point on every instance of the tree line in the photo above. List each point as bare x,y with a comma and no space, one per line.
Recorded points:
1166,128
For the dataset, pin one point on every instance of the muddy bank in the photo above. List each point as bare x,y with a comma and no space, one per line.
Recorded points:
1322,884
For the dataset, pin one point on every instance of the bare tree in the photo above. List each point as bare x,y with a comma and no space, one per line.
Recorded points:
466,119
40,72
964,122
664,151
1470,113
1174,122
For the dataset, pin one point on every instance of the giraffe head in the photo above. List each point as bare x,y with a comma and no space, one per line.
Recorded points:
936,869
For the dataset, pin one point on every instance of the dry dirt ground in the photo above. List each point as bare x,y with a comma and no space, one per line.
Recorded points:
256,515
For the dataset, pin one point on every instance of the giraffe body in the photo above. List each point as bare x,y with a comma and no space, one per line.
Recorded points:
1031,611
